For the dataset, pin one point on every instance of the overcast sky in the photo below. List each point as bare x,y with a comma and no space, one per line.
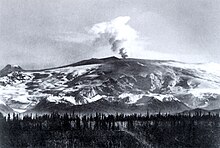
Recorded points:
38,34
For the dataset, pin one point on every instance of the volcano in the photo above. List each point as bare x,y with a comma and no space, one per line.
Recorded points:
111,85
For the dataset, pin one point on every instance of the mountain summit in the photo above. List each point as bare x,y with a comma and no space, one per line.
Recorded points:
9,68
111,85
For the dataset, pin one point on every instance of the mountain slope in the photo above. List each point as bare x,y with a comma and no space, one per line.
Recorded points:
111,85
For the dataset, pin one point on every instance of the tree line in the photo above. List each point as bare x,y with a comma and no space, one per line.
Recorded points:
108,130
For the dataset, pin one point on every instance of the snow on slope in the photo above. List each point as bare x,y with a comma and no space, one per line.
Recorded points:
212,74
63,99
19,96
2,102
133,98
128,81
212,68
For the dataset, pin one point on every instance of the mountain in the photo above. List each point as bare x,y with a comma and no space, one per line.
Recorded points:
200,111
112,85
5,109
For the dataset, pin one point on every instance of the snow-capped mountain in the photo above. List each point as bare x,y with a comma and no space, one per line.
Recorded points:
112,85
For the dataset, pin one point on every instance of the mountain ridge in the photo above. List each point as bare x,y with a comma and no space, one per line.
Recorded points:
171,86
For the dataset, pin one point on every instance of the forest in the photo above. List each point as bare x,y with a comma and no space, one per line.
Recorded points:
98,130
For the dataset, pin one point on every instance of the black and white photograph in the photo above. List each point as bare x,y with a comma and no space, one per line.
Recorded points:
109,73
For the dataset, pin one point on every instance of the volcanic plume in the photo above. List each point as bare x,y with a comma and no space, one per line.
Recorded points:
116,33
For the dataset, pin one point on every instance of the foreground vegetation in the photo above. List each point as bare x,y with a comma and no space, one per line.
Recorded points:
118,131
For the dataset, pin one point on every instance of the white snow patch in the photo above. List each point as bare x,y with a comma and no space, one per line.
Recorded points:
77,70
204,105
70,99
212,68
92,76
70,89
199,92
133,98
140,104
19,110
61,99
21,99
95,98
15,66
163,97
140,64
53,99
1,102
15,92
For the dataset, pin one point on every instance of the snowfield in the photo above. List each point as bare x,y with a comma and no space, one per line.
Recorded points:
129,81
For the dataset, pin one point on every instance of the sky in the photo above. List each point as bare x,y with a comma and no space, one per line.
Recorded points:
39,34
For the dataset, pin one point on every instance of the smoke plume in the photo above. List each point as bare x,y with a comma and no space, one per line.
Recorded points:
116,33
